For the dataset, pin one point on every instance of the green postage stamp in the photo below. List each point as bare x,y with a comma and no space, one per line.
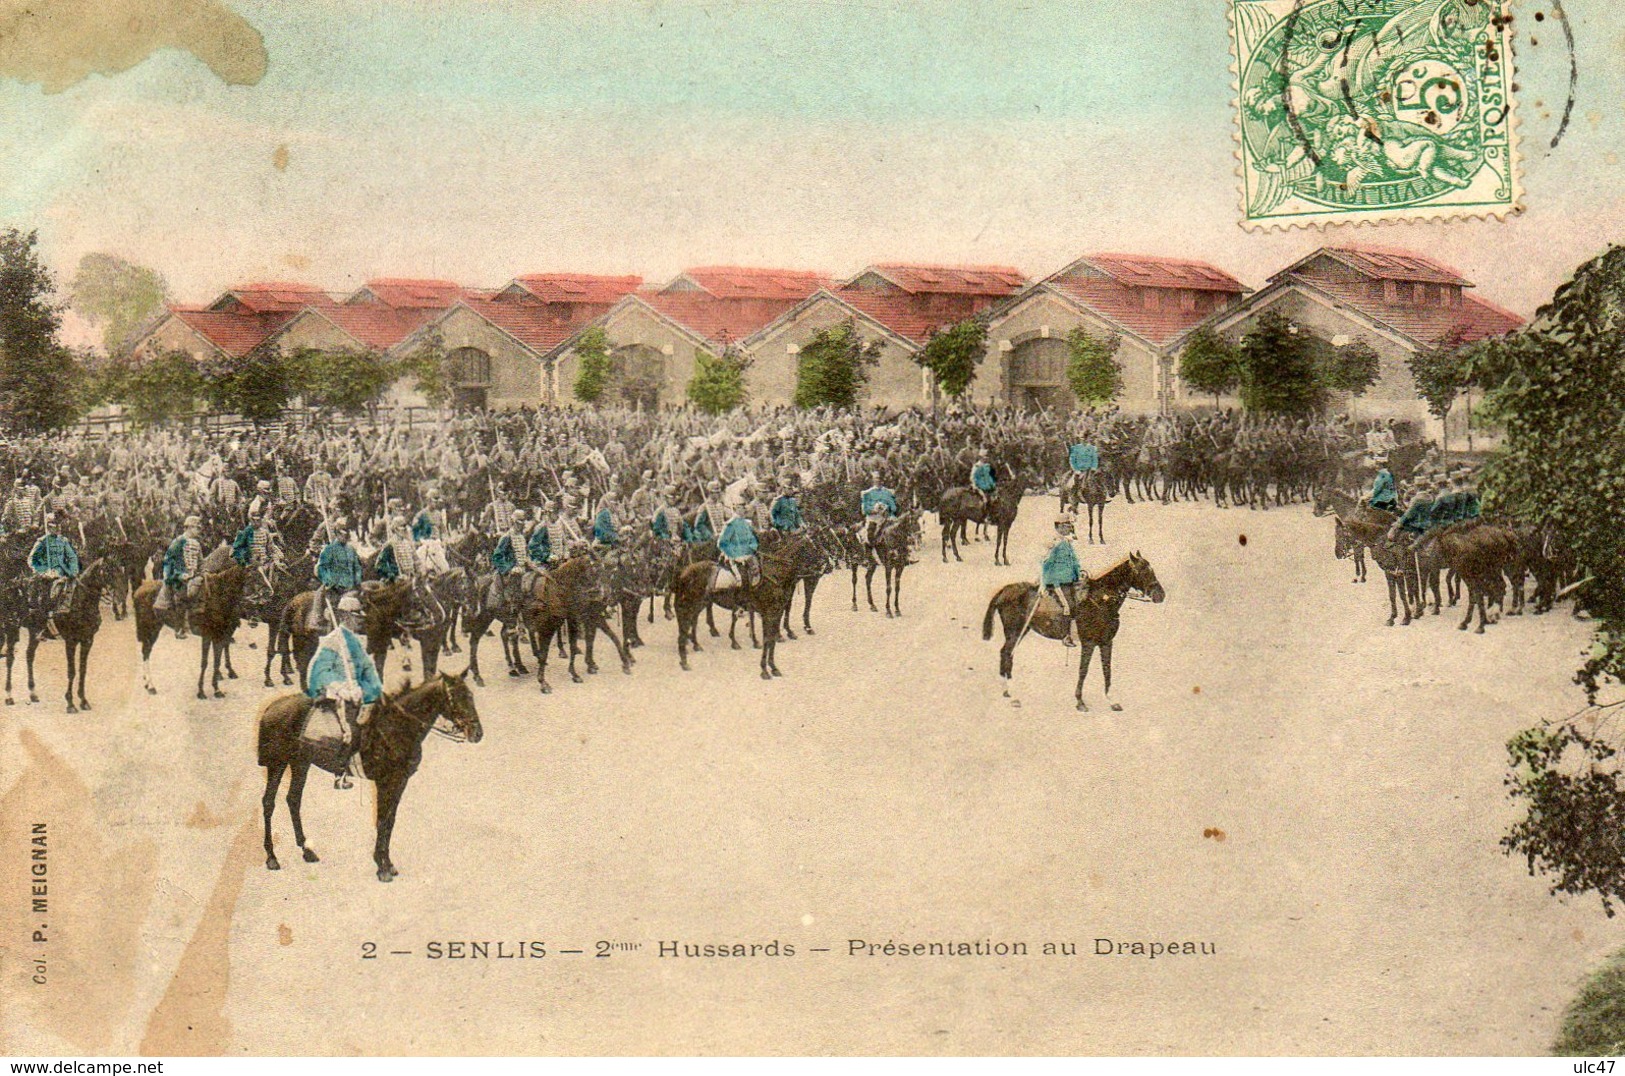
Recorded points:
1353,110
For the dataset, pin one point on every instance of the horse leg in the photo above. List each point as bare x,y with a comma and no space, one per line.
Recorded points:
69,647
589,626
573,626
1393,606
273,778
33,647
475,630
296,795
202,664
1086,650
544,641
389,798
1106,674
809,585
854,588
270,650
733,622
146,669
11,657
869,587
231,674
1472,600
220,647
84,666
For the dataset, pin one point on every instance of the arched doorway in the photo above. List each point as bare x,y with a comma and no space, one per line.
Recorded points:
1038,375
468,371
641,373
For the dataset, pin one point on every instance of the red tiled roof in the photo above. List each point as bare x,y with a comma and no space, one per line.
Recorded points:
1126,307
379,328
719,321
412,294
1142,271
233,333
1476,318
739,282
993,280
1386,263
275,296
904,315
539,326
578,287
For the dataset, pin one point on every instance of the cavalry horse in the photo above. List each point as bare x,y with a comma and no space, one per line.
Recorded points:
215,617
1093,490
964,505
391,751
1485,556
1360,524
769,597
77,625
571,598
1097,614
893,550
383,607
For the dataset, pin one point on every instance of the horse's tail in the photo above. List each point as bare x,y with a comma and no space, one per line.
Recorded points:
993,607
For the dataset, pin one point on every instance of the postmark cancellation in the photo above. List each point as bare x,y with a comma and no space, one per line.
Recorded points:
1373,110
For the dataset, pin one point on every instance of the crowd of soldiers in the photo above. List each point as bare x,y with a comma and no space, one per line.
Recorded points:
385,499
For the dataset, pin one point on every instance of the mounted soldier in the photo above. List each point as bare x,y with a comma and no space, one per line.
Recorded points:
23,509
511,559
183,580
431,518
258,547
338,571
1059,575
1384,493
540,542
983,480
344,682
261,503
397,559
879,506
55,564
497,519
606,524
737,547
786,511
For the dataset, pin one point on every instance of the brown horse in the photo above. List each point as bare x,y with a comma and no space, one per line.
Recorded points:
570,598
383,607
1097,614
77,625
391,751
768,597
1361,525
1093,490
893,550
215,618
1484,556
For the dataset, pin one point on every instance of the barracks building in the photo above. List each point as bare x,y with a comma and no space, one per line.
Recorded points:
516,345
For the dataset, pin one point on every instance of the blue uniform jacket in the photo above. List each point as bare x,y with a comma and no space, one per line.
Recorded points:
981,476
242,546
175,561
54,553
699,532
1417,518
786,514
1383,493
1061,565
1083,457
338,568
422,526
603,528
328,666
502,557
879,495
540,545
658,526
1446,510
738,539
388,568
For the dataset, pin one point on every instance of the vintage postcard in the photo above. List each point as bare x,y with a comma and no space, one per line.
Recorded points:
700,527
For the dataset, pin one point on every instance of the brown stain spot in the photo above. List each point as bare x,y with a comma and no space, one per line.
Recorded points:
190,1019
1242,538
284,934
1213,833
58,43
203,818
279,158
1578,935
296,261
99,894
1196,689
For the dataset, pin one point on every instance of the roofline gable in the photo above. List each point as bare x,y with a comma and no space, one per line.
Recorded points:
791,315
1047,288
1262,300
403,347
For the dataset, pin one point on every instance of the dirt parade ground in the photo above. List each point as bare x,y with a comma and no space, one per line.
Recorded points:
1312,799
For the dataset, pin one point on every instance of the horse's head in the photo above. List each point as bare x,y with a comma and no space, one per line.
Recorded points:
1143,578
1343,543
1322,502
460,713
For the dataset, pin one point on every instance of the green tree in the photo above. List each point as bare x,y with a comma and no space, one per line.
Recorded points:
1352,367
40,383
157,391
347,381
834,367
1210,364
952,355
1562,464
256,386
1092,368
1440,372
426,367
597,365
718,384
116,295
1279,372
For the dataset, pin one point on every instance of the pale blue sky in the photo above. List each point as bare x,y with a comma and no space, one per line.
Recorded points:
478,139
